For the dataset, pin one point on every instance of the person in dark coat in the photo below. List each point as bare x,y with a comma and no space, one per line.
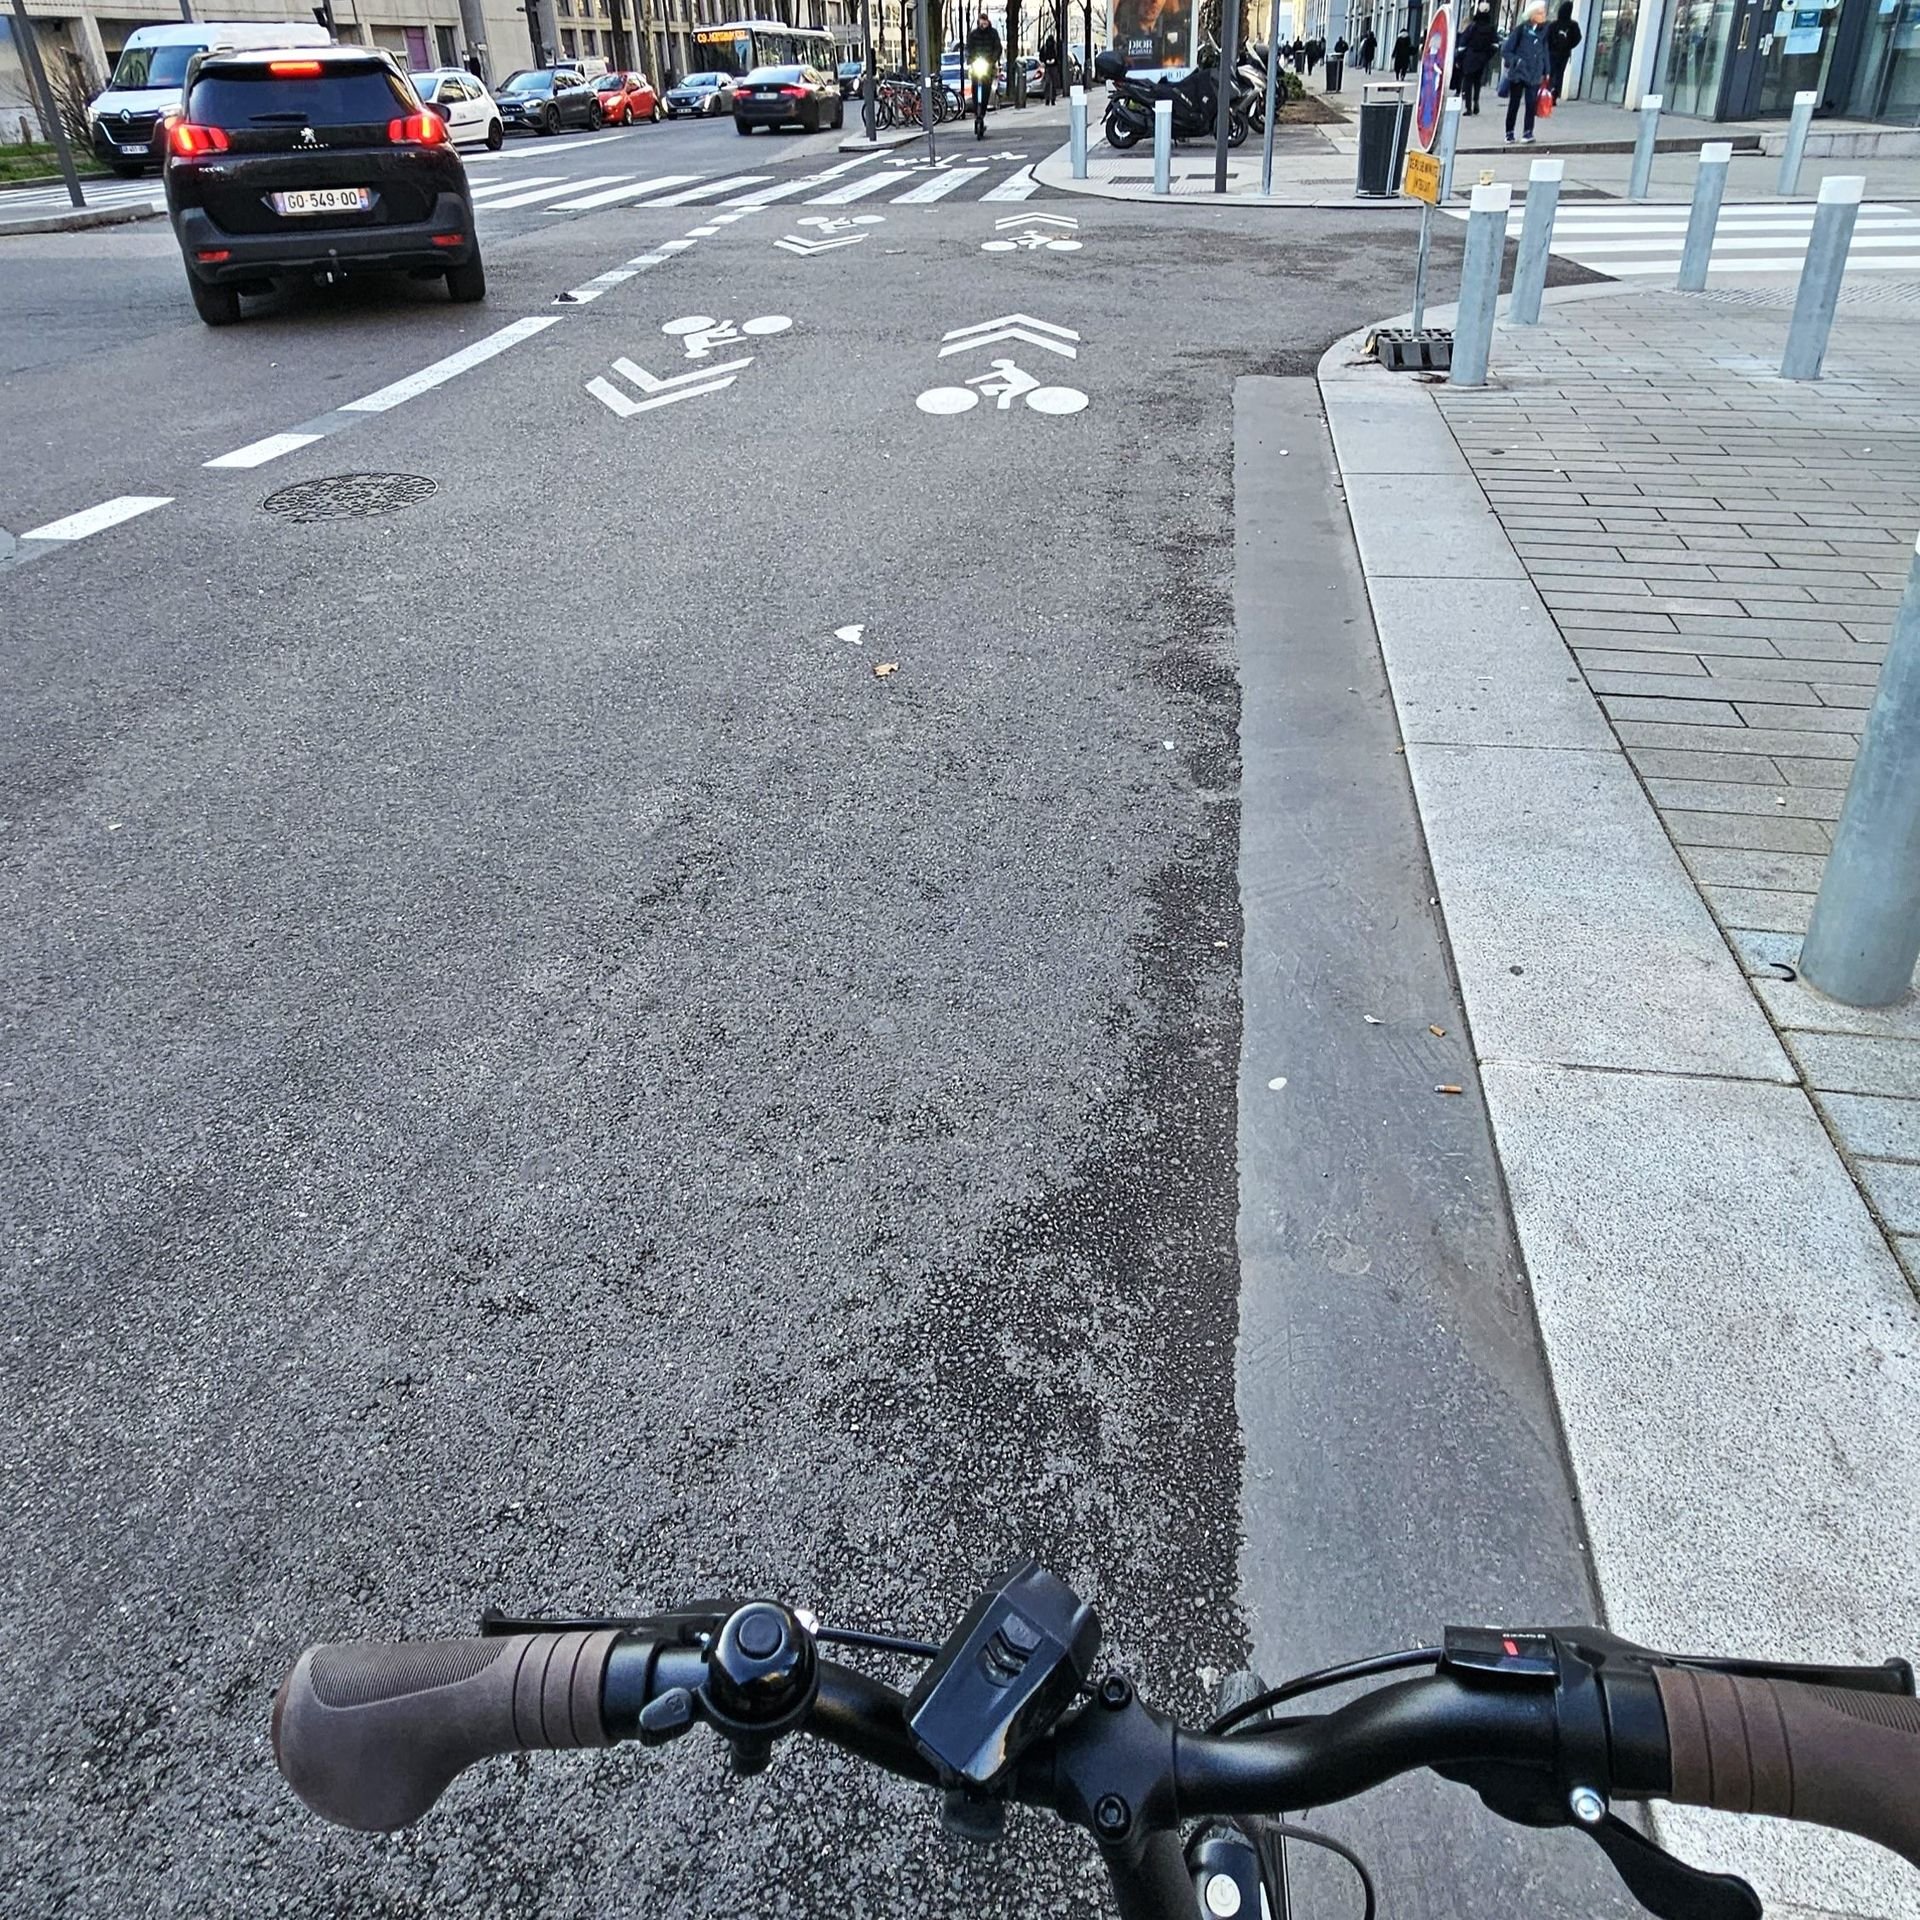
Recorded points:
1562,37
1525,61
1369,46
1050,69
1316,52
1479,44
1299,54
1402,57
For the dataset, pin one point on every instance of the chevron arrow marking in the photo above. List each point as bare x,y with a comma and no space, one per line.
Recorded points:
1012,326
794,244
1035,220
662,393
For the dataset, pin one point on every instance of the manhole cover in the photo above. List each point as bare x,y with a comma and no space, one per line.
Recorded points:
350,496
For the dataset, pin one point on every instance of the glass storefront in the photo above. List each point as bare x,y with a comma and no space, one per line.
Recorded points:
1796,53
1887,80
1614,26
1698,36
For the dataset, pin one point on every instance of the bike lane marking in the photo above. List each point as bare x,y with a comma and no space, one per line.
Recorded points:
385,398
91,520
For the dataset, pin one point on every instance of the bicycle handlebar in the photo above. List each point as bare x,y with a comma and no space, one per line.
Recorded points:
1821,1754
369,1735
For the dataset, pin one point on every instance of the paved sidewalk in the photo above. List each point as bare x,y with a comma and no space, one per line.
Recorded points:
1632,597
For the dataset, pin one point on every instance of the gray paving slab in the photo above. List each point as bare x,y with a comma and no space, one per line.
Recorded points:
1736,866
1579,936
1482,664
1758,907
1694,797
1857,1063
1873,1125
1733,1347
1894,1188
1774,831
1445,531
1398,431
1793,1003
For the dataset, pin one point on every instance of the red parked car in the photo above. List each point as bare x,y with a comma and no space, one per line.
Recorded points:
628,97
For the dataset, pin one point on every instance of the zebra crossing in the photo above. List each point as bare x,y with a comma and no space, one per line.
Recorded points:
909,184
115,194
1638,238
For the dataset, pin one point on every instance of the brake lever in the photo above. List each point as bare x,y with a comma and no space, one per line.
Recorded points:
1668,1886
698,1620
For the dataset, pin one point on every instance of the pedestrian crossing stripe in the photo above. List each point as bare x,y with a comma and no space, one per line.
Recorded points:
54,199
1629,238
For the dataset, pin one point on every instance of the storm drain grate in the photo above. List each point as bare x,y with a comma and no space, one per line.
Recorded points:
350,496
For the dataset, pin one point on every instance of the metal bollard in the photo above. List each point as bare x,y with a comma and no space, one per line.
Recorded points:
1536,238
1480,284
1820,276
1449,143
1163,146
1643,148
1864,936
1796,148
1709,189
1077,130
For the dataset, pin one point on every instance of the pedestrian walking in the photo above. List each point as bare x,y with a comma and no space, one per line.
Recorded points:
1369,46
1562,37
1298,54
1050,70
1479,47
1525,59
1316,52
1402,57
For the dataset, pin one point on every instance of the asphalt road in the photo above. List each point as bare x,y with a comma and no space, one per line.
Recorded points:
539,1070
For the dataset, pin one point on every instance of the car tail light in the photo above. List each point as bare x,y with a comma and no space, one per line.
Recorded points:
793,93
418,130
295,69
189,142
449,239
212,256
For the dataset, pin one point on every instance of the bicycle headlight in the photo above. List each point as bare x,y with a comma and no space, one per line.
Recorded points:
981,67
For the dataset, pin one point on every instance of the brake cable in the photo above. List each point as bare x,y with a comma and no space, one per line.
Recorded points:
1326,1677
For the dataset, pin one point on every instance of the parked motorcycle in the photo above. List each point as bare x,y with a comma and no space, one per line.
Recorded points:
1133,97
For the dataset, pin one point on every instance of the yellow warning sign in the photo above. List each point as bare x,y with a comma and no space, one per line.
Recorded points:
1422,180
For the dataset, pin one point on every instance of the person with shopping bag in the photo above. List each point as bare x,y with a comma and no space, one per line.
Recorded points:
1525,61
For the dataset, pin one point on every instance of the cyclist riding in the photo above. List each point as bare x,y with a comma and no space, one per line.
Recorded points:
1551,1727
983,62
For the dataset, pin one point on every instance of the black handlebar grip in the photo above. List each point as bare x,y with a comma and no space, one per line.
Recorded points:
1824,1754
369,1734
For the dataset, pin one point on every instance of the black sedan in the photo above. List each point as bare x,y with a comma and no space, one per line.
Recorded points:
806,97
316,163
545,99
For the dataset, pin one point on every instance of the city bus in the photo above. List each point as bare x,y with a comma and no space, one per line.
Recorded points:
738,46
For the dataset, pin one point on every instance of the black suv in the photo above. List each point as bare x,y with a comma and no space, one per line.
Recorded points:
546,99
315,163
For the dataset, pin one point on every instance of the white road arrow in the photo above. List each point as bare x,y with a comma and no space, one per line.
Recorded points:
1035,220
1011,326
794,244
664,393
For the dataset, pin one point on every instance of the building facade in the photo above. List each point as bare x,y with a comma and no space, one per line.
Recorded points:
498,35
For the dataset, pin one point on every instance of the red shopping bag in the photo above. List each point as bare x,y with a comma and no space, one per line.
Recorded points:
1543,105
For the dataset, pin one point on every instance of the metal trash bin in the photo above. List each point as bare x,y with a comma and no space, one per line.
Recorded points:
1386,109
1336,71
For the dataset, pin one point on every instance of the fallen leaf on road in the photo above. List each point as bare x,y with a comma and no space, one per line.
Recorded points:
1446,1089
884,667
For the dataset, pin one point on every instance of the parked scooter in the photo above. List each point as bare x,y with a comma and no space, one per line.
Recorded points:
1133,97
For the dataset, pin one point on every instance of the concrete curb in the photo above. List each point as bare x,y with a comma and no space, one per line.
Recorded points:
1731,1342
892,137
77,219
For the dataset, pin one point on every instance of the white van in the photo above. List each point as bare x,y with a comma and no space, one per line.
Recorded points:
125,121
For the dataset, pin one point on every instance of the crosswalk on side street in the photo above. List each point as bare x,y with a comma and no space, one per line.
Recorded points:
1627,238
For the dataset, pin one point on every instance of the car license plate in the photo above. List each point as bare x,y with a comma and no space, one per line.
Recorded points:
133,146
324,200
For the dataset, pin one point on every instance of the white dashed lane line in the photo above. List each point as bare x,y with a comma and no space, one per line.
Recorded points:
261,451
454,364
91,520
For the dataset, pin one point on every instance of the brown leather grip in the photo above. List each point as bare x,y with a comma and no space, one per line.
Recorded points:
1823,1754
369,1734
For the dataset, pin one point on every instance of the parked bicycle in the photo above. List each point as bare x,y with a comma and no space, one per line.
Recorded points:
1551,1727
